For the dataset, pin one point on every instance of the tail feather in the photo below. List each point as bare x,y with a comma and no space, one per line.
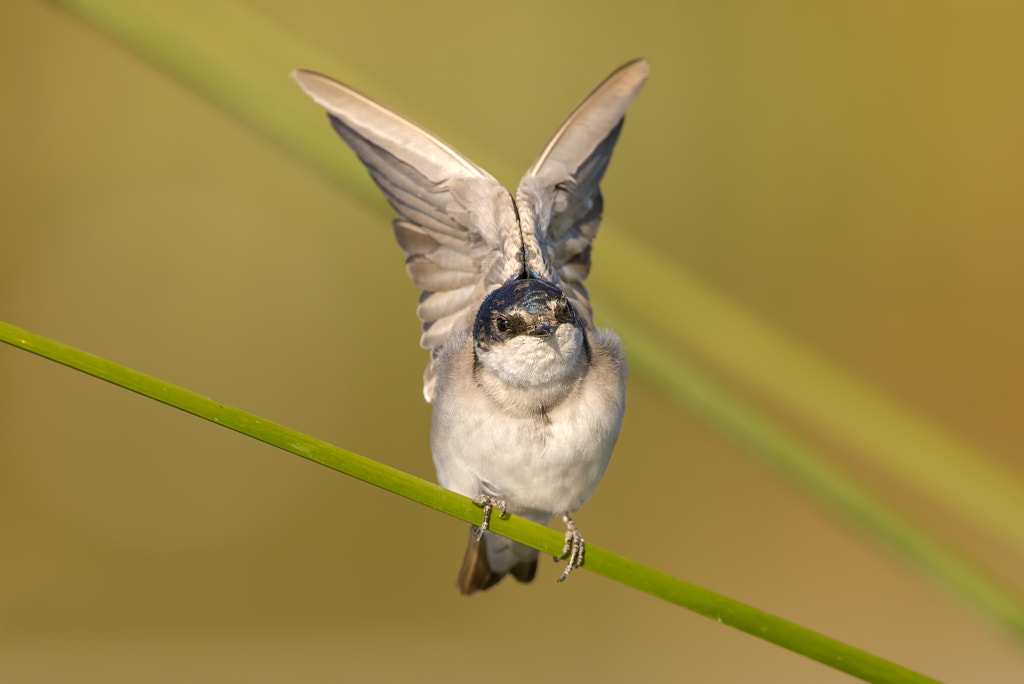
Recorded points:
477,572
525,571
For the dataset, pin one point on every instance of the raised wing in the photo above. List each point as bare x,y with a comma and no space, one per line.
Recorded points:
559,198
456,223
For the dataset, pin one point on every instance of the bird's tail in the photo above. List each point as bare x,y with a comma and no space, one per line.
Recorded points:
490,558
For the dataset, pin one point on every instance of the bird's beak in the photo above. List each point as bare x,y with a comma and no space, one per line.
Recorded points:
542,330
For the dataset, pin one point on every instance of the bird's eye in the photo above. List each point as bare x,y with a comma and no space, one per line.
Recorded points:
502,324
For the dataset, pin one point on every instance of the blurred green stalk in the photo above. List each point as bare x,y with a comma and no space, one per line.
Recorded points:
833,490
763,625
240,62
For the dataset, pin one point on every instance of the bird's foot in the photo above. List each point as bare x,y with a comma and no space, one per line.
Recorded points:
573,549
488,502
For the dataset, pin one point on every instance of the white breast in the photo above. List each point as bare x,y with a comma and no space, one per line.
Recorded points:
540,463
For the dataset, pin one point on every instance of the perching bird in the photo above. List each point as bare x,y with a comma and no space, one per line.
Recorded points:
528,396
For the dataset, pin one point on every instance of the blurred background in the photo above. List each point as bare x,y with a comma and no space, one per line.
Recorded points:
850,173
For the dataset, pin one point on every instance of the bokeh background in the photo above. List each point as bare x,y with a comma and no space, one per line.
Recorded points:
849,172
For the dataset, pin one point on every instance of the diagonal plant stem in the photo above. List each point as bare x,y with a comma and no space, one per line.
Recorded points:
758,623
238,61
766,360
832,489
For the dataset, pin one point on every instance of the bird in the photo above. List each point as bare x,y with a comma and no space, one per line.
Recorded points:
527,394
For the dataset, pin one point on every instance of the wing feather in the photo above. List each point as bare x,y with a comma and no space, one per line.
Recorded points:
456,223
559,197
462,233
436,305
435,277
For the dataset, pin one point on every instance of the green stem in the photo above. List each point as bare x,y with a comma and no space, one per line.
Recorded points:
832,489
763,625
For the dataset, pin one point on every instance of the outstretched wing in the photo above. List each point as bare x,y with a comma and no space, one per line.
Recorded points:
456,223
559,198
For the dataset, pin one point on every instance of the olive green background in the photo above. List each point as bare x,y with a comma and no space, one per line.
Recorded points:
851,172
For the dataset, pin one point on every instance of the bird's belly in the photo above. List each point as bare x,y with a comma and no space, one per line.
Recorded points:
537,465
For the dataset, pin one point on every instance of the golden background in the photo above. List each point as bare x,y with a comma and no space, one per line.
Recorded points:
850,172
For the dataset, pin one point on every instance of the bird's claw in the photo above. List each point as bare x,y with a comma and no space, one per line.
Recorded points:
573,549
488,502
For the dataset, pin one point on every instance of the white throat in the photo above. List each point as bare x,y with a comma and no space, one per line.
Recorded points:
529,373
